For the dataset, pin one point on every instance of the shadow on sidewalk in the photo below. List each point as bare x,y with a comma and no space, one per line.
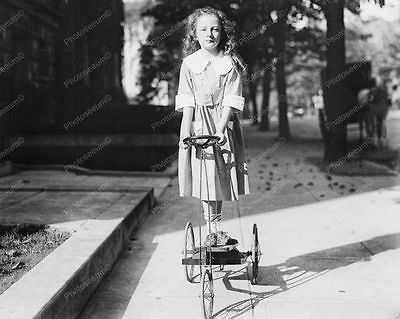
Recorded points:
301,269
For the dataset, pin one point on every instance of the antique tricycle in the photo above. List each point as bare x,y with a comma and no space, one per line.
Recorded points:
207,256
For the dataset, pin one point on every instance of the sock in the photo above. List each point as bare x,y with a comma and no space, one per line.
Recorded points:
209,228
214,227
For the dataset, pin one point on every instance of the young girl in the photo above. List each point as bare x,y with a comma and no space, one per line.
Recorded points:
210,97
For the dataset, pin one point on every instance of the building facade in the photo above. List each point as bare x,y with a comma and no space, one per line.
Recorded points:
57,58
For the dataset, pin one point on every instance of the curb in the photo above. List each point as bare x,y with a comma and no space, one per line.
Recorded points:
170,170
64,281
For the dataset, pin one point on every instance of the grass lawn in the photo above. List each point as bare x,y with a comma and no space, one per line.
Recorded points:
22,247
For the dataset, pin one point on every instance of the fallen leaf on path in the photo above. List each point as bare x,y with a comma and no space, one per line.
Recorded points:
11,253
18,265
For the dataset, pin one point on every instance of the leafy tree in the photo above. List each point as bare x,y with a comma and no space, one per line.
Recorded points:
290,42
163,59
336,143
161,56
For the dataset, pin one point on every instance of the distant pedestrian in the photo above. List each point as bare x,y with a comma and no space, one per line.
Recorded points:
395,93
210,97
377,102
318,101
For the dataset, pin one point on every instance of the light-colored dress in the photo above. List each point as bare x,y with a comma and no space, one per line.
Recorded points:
208,87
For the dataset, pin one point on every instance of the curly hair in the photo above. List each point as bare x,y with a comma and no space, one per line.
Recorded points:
228,42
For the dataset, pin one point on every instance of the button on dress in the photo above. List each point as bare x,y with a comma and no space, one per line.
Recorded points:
208,87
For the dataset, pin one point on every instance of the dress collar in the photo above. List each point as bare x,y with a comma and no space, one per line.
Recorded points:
197,62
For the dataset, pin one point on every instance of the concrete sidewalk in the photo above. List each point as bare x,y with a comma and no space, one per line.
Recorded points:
330,244
99,211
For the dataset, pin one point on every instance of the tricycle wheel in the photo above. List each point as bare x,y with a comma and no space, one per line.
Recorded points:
207,295
189,250
255,255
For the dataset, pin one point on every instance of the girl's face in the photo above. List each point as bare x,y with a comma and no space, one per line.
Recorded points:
208,32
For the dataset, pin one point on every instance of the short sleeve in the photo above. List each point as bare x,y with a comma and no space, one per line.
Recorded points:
185,95
233,91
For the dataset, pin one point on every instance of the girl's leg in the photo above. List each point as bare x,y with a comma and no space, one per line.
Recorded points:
214,207
213,227
219,214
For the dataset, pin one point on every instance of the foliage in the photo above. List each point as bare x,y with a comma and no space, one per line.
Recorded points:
255,29
161,56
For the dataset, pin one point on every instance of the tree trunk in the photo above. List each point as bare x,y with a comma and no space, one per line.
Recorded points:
266,85
253,98
280,40
246,112
172,88
334,82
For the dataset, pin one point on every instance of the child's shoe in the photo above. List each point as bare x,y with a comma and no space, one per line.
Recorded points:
224,239
210,239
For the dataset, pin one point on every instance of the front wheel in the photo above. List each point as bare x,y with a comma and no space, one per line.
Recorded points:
255,255
207,294
189,250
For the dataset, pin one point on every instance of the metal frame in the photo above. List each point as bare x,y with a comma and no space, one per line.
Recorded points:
208,256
